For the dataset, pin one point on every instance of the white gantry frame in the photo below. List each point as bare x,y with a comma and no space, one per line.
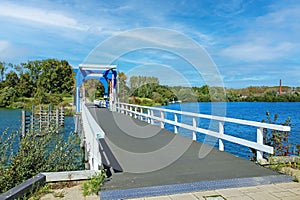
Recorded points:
105,74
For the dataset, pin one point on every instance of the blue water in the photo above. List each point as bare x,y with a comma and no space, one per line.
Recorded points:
11,120
255,111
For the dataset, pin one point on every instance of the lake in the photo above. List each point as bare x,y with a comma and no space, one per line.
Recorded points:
12,119
241,110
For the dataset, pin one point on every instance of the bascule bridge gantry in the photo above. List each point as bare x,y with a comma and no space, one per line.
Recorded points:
106,74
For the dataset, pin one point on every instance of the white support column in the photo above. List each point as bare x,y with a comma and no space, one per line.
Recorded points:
141,111
176,121
260,140
162,118
151,116
221,131
135,112
130,111
194,126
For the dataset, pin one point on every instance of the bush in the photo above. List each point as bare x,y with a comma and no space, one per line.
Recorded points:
18,105
44,152
277,139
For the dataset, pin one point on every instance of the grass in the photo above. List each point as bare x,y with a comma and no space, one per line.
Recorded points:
287,167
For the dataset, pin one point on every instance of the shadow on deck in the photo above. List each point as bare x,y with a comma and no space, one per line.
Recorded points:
153,161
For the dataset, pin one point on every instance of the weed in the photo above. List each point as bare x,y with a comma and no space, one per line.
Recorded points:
93,185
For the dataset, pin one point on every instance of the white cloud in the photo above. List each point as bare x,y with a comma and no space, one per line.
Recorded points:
9,52
257,51
47,17
3,45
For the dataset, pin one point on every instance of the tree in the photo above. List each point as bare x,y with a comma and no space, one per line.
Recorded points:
56,77
7,97
2,70
138,81
186,95
123,88
25,88
12,79
270,95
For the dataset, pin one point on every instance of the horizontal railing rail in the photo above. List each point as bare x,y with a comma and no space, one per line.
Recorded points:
155,114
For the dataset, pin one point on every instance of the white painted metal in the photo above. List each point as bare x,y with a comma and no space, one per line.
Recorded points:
97,67
194,126
92,132
176,121
259,140
152,117
259,146
162,117
221,132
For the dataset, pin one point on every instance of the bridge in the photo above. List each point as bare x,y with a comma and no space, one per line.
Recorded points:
143,158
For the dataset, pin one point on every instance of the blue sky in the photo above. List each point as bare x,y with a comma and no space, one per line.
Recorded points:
252,42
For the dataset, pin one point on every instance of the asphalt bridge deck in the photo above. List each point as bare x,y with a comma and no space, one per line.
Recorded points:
146,156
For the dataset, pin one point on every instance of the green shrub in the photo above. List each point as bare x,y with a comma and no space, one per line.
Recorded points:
44,152
18,105
93,185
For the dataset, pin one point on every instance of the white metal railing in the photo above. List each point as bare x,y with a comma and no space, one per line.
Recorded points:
92,132
147,114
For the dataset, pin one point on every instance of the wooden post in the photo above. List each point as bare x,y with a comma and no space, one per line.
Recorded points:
41,117
32,119
49,116
23,123
62,116
57,119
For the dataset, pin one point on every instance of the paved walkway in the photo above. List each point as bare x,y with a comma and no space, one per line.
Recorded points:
286,191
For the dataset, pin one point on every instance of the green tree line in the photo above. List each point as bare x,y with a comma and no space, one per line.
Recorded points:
47,81
148,91
43,81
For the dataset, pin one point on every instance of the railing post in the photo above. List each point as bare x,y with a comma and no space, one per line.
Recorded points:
176,121
194,126
151,116
130,111
122,111
135,112
162,119
141,111
260,140
221,131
